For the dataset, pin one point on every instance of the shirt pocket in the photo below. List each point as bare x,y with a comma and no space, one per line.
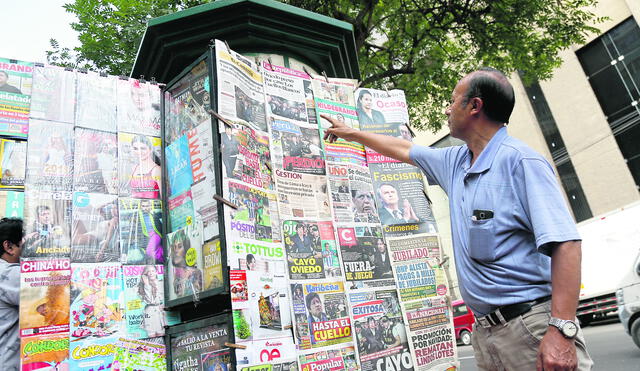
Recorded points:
482,240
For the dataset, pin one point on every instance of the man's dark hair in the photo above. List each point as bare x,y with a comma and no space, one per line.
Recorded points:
250,258
5,73
11,230
310,297
496,93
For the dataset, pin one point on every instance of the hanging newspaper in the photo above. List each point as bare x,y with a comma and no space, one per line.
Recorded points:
256,216
94,353
144,300
365,257
381,106
302,195
95,161
240,88
94,233
138,107
246,156
296,148
96,106
178,166
186,103
139,165
181,211
12,204
44,296
97,300
201,349
352,194
53,96
279,364
381,337
341,358
185,262
212,257
204,187
47,224
50,351
321,317
141,231
284,92
15,96
50,156
133,355
248,254
13,163
335,98
311,250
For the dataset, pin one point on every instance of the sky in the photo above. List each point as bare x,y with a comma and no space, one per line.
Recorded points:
32,23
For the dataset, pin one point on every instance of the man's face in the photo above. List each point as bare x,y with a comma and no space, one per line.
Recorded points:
404,132
363,202
372,324
316,306
386,324
389,195
300,230
458,110
145,206
3,78
45,216
381,246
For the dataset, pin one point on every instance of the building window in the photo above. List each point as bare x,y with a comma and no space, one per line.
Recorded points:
612,65
564,166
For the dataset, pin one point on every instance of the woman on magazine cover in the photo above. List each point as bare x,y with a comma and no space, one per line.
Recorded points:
145,177
151,293
187,280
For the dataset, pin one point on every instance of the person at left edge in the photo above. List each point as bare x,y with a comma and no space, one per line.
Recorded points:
11,238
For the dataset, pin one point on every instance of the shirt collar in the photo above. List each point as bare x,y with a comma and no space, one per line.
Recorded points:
489,152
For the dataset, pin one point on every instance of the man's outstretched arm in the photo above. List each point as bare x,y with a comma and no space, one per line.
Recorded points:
389,146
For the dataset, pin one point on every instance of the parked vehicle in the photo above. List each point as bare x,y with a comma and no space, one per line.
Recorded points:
462,321
628,298
609,242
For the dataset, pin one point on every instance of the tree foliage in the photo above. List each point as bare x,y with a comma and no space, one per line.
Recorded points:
420,46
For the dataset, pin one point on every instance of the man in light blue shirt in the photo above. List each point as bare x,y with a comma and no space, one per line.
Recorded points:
516,246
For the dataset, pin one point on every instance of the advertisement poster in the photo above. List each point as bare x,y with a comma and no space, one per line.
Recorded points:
302,195
381,336
365,257
275,351
141,230
178,166
311,250
212,257
139,165
185,262
181,211
186,103
12,204
335,359
50,351
251,255
53,96
47,224
246,156
50,155
44,296
13,163
135,355
256,216
15,97
97,300
193,349
144,300
96,105
297,148
96,161
138,107
240,88
321,317
92,354
94,233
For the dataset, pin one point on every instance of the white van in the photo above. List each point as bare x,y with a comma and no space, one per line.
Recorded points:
628,297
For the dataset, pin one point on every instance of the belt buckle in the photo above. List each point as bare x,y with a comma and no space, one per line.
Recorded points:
483,321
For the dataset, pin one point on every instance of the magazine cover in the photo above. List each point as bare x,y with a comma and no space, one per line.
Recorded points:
380,332
15,97
44,296
185,262
13,163
219,360
337,358
186,103
321,317
96,106
137,355
47,224
94,233
92,354
97,300
188,348
141,231
12,204
50,155
144,300
256,216
181,211
178,166
246,156
139,165
212,257
138,107
204,182
96,161
45,352
309,246
53,96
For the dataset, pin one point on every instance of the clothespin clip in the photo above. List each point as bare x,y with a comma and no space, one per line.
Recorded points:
220,118
226,202
358,83
82,70
270,64
387,90
123,77
142,80
306,71
39,64
13,61
103,74
257,63
153,80
325,76
68,68
266,164
227,45
413,135
212,43
236,346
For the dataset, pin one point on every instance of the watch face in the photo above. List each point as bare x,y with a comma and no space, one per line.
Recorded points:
570,329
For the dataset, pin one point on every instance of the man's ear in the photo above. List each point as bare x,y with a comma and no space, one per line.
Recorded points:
476,104
6,245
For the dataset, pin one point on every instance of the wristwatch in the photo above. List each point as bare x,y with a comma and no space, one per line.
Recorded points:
568,329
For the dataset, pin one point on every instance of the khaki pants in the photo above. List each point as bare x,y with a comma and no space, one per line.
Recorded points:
514,346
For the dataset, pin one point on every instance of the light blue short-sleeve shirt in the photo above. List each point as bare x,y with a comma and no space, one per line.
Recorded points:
503,259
